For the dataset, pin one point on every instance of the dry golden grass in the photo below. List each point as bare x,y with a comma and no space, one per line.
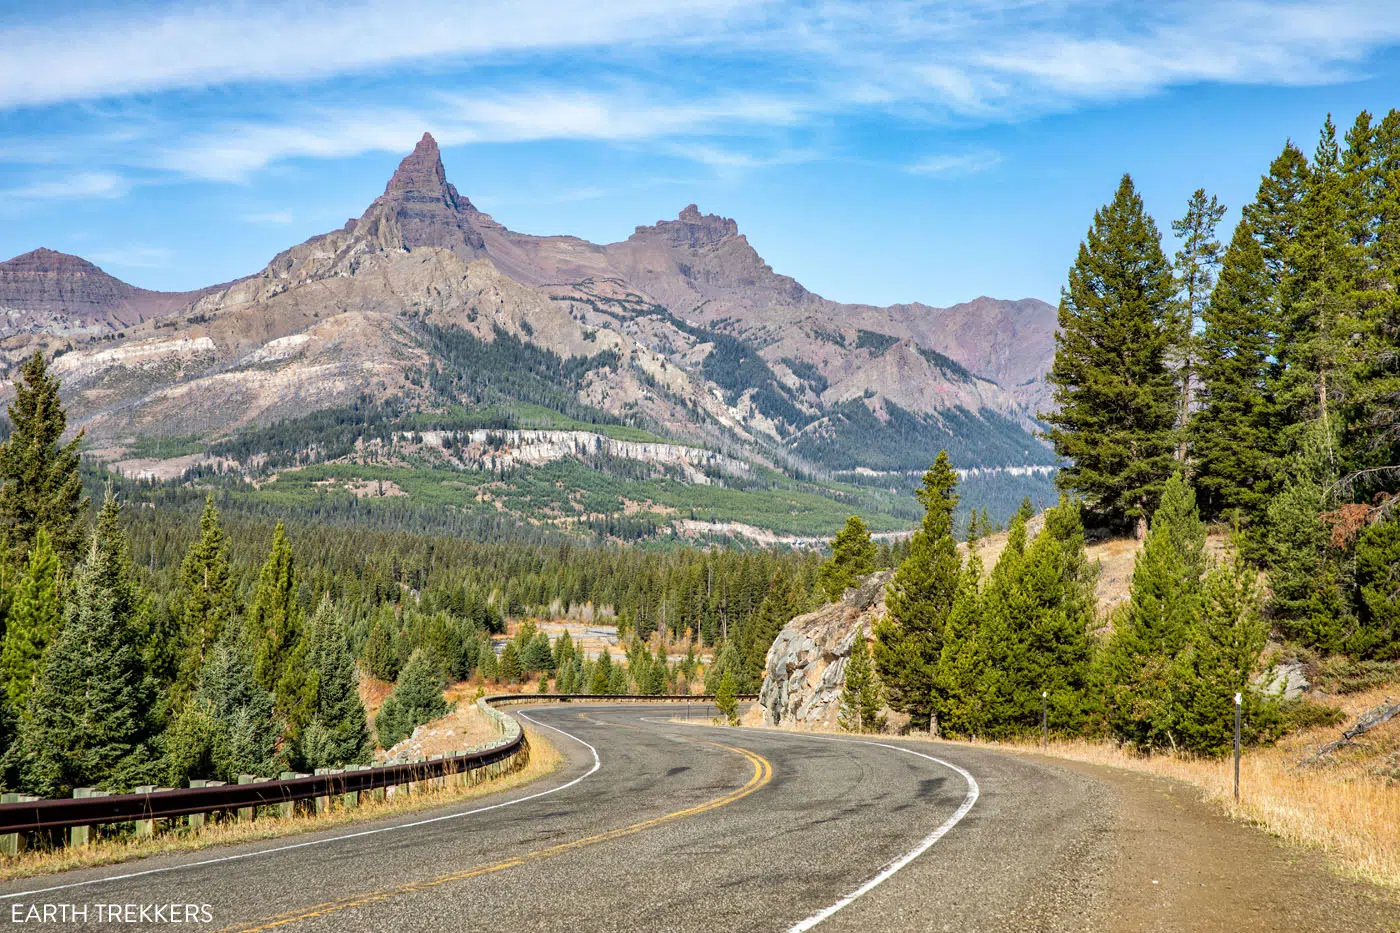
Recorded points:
1347,807
544,758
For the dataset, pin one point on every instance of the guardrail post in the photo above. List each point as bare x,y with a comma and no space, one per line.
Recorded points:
350,799
146,827
14,843
439,782
322,804
82,835
288,808
246,814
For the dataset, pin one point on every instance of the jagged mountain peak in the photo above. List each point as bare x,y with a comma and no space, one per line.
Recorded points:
419,207
691,229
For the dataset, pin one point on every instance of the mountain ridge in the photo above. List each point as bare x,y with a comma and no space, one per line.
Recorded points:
423,306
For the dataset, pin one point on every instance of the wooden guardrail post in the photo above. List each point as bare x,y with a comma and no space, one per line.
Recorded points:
82,835
146,827
322,804
14,843
288,808
246,814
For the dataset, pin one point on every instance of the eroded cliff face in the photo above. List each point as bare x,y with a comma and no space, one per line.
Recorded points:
806,666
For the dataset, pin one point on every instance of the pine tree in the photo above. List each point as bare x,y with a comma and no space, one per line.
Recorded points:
1305,575
958,679
726,661
274,620
88,722
1197,262
1219,661
1378,580
416,699
511,670
39,482
602,674
617,681
853,556
1315,297
1034,633
1139,660
338,731
780,605
1116,399
488,664
205,599
1234,434
380,654
227,728
909,638
32,623
860,692
726,700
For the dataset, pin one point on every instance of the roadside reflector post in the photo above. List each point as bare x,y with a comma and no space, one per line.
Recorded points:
1238,700
1045,720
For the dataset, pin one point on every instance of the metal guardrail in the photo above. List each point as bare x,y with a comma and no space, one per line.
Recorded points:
64,813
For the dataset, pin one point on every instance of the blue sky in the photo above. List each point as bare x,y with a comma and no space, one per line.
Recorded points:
879,152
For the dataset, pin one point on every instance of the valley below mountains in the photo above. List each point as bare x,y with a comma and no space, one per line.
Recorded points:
569,384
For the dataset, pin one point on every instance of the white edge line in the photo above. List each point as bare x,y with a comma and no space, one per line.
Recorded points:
597,763
884,874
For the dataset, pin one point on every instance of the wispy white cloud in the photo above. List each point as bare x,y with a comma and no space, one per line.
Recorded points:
714,81
78,185
955,165
132,257
91,55
269,217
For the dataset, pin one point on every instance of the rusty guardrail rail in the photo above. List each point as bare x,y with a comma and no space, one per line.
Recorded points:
67,813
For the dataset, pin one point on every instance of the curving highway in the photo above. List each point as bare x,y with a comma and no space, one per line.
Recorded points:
652,825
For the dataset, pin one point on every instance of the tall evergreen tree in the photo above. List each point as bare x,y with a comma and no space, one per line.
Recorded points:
1116,399
853,556
726,700
32,622
909,638
1234,432
1034,632
205,598
39,482
1140,658
1377,634
275,629
511,670
780,605
228,727
861,701
89,717
416,699
1219,661
1197,262
958,679
1306,576
338,732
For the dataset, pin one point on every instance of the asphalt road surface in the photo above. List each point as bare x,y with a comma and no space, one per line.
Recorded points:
651,825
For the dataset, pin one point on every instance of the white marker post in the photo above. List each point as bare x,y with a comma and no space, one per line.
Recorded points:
1238,699
1045,720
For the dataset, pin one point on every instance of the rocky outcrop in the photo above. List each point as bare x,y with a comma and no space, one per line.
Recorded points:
806,667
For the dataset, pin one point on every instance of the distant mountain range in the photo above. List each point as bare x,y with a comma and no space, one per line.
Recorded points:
426,314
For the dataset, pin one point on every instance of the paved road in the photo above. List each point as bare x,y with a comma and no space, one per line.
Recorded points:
651,825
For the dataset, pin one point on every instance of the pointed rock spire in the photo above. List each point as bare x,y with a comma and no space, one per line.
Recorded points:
425,209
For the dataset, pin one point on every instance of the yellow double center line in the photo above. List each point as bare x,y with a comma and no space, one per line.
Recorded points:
762,774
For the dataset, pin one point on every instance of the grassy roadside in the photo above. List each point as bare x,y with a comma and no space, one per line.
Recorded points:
544,759
1347,807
